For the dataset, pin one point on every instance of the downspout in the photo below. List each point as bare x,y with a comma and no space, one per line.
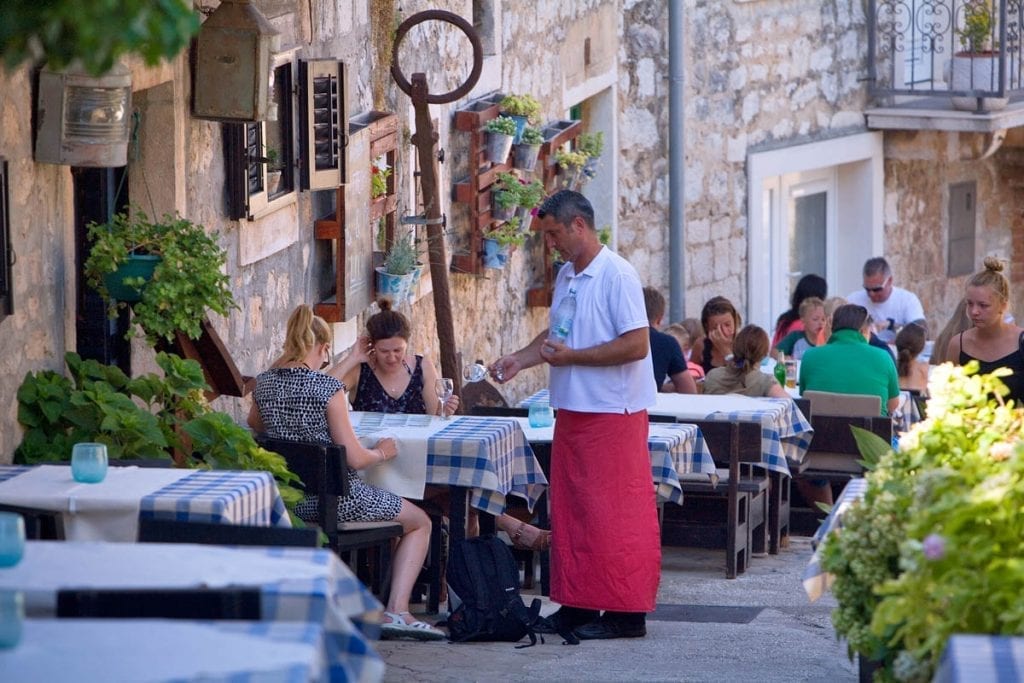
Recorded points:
676,164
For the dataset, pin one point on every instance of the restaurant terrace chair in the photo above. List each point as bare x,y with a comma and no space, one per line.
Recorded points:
191,603
322,471
742,526
40,525
152,530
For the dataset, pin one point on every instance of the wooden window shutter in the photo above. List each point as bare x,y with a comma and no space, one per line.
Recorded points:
323,124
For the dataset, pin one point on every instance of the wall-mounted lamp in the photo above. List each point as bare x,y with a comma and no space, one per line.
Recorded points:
84,120
232,70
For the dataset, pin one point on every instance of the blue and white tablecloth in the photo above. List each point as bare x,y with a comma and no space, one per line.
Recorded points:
977,658
785,432
815,580
297,585
110,510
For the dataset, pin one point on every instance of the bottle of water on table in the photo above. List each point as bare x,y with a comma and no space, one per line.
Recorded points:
561,322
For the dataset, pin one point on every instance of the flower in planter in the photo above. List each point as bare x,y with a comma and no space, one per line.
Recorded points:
520,105
502,125
379,174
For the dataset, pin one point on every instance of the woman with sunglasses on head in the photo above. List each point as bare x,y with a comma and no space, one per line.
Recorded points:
721,321
991,341
294,401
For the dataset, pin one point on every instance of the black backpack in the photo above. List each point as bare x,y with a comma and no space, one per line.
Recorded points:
483,581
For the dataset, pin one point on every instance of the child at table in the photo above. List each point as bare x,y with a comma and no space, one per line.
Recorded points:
813,320
294,401
742,374
387,378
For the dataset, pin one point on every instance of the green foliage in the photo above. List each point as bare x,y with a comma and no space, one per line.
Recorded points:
520,105
936,546
511,191
532,136
401,257
503,125
590,144
186,282
531,194
570,160
137,417
508,233
604,235
379,174
96,33
976,31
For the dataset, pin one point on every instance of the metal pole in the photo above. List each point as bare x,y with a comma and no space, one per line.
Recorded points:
676,164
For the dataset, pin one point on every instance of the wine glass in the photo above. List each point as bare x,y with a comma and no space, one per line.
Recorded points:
474,372
444,387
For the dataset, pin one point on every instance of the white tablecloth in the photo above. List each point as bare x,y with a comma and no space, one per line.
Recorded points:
151,650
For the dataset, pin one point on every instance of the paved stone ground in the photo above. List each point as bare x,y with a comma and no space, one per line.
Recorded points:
774,635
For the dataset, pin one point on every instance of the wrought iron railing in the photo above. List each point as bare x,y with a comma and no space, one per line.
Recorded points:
969,49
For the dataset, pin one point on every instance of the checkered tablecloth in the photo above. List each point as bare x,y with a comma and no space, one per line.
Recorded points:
491,456
110,510
296,585
977,658
677,449
227,497
785,432
815,580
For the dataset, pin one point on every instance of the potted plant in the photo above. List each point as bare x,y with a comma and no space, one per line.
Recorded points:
500,241
976,66
185,279
570,165
590,144
501,132
395,277
530,195
504,197
522,109
524,153
380,172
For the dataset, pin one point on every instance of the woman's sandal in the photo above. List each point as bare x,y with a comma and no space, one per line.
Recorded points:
542,541
395,626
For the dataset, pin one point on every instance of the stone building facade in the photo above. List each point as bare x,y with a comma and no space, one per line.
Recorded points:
774,119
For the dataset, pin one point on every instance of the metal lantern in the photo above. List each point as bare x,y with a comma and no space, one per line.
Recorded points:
232,70
84,120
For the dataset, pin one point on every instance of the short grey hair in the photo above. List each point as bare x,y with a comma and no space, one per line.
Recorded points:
565,205
876,265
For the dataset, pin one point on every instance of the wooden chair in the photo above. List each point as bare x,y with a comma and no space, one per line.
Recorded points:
211,533
40,525
745,495
322,470
192,603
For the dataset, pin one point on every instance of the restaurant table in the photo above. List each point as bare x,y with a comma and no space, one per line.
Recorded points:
981,658
152,650
110,509
676,449
785,432
489,456
816,581
300,585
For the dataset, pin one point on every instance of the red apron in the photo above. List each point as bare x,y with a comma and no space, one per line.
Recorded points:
605,542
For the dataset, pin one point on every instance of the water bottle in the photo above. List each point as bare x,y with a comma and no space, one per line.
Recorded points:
561,323
780,369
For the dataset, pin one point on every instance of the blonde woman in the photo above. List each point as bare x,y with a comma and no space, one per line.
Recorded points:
991,341
294,400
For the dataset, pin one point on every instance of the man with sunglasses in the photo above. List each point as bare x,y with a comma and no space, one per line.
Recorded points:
891,307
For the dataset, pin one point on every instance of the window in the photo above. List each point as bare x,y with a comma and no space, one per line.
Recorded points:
6,253
323,131
261,156
962,209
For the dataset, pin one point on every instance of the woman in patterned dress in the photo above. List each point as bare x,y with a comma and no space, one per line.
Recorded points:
292,400
388,379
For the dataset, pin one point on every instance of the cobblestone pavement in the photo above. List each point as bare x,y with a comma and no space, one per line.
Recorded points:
758,627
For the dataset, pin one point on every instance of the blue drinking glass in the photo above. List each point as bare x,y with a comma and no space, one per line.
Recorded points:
12,613
541,415
89,462
12,538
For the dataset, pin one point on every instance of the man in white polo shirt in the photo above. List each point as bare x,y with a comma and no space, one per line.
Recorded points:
890,307
605,543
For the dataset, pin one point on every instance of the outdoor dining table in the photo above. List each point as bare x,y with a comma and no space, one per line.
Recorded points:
488,456
981,658
300,586
676,450
785,432
816,581
110,510
154,650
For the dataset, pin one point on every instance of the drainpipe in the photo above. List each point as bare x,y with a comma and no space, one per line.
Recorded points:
676,164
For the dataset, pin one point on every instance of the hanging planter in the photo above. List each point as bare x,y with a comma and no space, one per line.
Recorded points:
394,287
525,217
495,253
503,205
524,157
127,282
521,109
500,135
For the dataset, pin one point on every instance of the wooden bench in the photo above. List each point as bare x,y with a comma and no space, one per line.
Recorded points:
699,521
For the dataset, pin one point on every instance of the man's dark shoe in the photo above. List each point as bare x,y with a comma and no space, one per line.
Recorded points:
613,626
565,619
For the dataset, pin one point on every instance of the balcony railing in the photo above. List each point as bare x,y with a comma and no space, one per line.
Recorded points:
966,49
